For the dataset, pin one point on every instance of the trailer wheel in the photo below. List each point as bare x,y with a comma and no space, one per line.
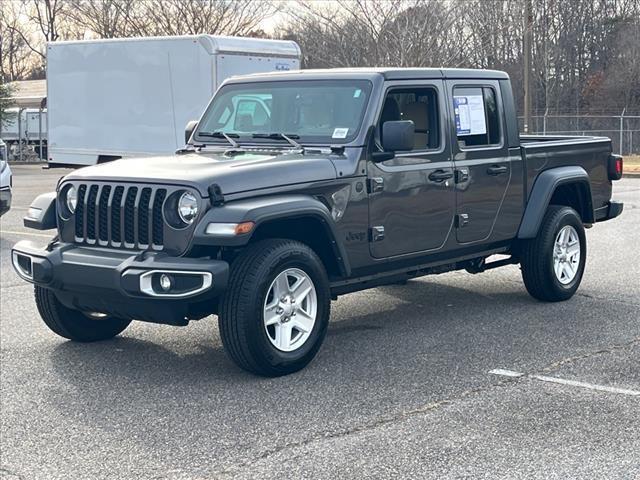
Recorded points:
74,324
553,262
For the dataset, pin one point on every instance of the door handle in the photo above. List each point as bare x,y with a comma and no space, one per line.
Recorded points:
496,170
440,176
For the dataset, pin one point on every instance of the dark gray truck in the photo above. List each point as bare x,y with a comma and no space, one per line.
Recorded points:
295,188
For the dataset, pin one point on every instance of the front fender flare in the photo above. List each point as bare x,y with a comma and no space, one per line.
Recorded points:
542,192
266,209
42,213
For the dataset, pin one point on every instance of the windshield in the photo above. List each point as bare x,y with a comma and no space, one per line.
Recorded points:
311,111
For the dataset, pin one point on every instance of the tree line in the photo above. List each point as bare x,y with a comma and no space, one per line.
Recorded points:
586,53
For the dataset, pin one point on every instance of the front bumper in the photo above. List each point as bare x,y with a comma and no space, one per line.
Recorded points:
5,200
123,284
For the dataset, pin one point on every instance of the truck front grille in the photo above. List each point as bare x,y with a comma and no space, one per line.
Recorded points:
120,216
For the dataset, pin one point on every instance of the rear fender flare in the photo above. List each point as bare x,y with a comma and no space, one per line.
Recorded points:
542,192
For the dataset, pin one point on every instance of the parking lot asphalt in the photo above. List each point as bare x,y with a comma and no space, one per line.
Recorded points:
402,387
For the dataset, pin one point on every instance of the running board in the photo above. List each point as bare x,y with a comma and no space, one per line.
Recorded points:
479,266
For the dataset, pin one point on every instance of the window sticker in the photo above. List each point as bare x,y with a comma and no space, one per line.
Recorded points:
340,133
470,115
357,93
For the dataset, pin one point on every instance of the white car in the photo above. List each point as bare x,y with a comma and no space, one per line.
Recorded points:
5,180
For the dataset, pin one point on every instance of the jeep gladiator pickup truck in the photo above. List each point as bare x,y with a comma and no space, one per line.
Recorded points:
297,187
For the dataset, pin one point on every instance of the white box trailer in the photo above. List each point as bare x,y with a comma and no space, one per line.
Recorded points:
120,98
36,123
29,125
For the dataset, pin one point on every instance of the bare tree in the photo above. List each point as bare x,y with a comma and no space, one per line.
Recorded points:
344,34
188,17
15,54
46,17
585,52
5,102
575,44
105,18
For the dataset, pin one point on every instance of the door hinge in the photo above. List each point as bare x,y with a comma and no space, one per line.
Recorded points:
462,219
375,184
376,233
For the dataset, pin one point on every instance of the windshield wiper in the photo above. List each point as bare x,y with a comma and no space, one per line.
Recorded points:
229,137
280,136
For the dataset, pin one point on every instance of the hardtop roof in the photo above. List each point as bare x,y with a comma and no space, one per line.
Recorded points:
387,73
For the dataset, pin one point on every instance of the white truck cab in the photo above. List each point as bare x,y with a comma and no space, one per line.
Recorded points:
119,98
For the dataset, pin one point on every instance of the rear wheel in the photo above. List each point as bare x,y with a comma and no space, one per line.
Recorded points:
553,262
274,316
74,324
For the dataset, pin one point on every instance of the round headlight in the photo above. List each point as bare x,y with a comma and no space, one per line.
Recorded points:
72,199
187,207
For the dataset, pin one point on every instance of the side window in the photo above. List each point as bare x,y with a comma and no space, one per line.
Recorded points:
420,105
477,117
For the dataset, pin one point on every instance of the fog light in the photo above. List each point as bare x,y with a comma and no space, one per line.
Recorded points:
165,282
22,265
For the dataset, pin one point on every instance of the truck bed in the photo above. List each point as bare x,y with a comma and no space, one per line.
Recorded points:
541,152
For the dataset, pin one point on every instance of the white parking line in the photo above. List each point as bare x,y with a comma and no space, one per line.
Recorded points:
571,383
28,234
506,373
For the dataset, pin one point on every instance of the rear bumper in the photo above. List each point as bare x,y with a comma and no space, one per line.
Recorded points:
122,284
5,200
609,211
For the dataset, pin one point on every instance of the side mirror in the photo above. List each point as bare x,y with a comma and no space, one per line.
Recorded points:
189,129
398,135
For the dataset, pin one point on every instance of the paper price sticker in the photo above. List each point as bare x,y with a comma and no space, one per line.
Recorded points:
340,133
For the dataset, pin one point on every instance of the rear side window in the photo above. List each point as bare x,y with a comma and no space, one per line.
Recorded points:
477,116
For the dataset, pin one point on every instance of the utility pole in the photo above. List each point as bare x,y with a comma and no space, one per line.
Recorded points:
528,20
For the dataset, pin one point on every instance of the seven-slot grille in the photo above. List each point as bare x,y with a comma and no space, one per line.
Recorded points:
123,216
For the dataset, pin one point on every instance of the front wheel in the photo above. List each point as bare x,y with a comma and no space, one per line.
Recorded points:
74,324
274,316
553,262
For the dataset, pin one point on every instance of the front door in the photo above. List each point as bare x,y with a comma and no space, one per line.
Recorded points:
480,156
412,196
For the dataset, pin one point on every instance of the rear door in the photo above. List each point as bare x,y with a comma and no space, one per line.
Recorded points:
480,155
411,197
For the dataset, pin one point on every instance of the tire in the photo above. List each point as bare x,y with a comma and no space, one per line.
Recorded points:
538,258
73,324
250,303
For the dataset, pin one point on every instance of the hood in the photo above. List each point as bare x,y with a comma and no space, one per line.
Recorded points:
239,173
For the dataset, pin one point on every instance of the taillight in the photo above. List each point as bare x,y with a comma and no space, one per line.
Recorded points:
615,167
